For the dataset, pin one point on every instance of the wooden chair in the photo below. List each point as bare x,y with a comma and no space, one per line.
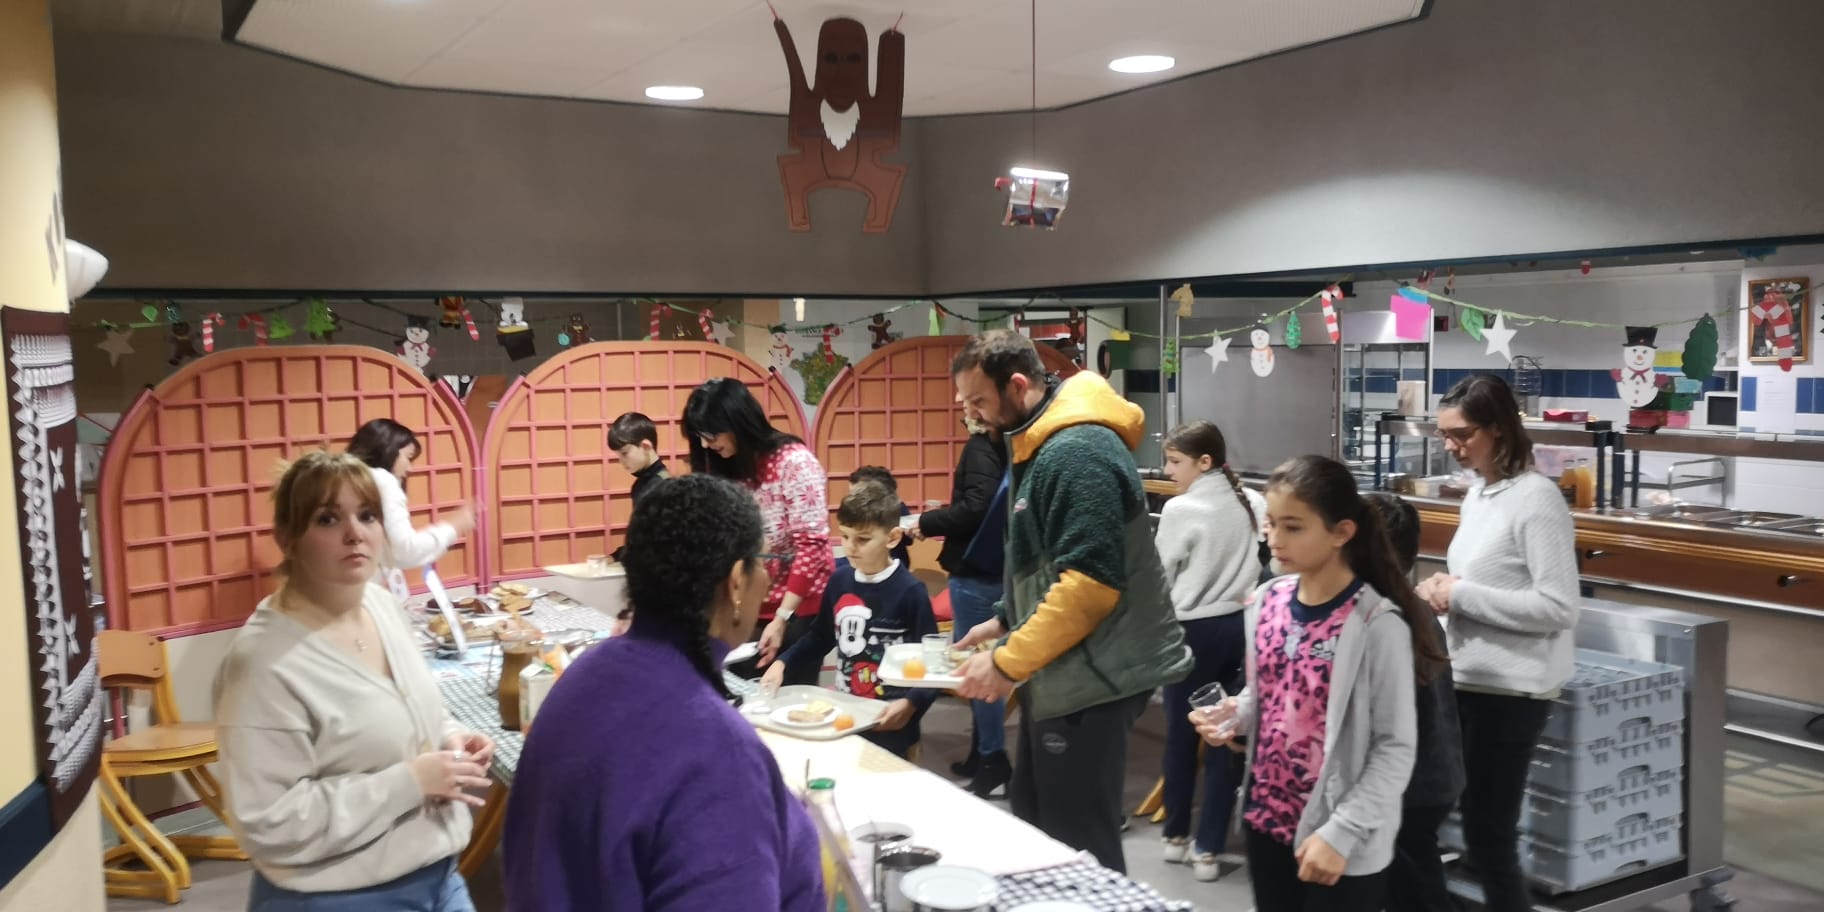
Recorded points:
135,661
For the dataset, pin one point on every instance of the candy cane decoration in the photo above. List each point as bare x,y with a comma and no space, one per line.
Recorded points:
703,324
258,324
210,322
468,321
657,310
1332,295
1773,308
829,351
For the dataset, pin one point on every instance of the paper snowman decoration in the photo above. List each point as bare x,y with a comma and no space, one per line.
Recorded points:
1636,381
1260,357
512,313
513,334
781,351
415,349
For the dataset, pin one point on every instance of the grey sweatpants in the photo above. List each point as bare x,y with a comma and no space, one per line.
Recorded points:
1069,772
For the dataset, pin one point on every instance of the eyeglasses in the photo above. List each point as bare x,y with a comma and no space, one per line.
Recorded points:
1459,436
785,560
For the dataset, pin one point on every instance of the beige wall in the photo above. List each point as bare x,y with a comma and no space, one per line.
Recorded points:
67,875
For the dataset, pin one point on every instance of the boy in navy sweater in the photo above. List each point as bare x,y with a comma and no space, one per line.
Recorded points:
872,601
881,475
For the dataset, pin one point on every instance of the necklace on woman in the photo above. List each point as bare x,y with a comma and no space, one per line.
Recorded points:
326,625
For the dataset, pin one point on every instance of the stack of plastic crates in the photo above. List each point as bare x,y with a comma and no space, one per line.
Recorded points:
1605,799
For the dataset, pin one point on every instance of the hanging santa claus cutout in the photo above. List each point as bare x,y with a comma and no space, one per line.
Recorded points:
837,130
1637,382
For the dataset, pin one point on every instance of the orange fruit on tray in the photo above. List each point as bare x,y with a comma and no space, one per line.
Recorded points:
914,669
843,722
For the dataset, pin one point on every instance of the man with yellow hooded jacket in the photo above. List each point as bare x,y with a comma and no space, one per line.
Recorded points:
1085,629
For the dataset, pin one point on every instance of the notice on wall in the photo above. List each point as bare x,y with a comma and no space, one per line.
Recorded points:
1776,404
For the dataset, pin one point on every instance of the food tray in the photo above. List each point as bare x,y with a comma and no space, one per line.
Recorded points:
893,665
866,712
1567,818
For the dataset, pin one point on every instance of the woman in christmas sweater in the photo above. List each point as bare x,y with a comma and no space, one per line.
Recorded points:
730,437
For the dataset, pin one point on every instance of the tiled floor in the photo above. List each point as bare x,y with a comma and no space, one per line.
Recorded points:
1775,821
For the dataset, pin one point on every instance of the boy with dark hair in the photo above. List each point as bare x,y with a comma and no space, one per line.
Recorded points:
635,442
883,476
1415,879
871,602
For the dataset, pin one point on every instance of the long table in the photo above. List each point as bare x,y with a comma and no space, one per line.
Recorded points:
872,785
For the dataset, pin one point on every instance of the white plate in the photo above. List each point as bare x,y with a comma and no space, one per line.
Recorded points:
782,716
949,887
532,592
893,669
741,653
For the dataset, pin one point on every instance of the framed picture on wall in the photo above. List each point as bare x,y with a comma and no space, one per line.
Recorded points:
1770,330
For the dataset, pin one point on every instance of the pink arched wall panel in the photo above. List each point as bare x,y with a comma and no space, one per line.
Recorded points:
186,480
555,493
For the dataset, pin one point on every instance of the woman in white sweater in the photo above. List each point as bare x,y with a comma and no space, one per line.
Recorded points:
344,777
1510,605
1209,542
389,449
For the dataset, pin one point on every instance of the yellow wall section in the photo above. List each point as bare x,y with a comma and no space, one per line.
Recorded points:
28,191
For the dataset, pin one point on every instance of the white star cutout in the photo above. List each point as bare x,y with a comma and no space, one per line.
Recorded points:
1499,337
1218,350
720,331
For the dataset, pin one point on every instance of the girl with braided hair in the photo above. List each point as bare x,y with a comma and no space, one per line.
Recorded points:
1209,541
641,787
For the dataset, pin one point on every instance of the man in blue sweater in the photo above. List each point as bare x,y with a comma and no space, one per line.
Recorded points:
871,602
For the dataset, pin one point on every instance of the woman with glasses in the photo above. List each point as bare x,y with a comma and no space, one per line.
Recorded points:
1510,606
730,437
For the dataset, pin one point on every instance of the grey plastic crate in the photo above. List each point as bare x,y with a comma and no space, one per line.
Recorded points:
1638,843
1577,768
1608,690
1572,817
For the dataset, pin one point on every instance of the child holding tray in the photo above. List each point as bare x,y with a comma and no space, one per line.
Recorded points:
871,602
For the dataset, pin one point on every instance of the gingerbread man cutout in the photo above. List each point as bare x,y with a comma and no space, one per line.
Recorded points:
837,130
879,328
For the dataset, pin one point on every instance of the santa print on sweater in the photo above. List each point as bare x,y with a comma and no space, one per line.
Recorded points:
792,491
861,617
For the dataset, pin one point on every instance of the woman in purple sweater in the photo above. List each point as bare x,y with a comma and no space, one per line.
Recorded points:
640,787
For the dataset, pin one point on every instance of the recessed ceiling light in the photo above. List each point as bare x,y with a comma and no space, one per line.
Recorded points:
674,93
1144,63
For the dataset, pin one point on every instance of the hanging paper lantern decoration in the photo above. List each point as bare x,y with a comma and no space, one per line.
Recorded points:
1471,320
257,323
278,328
1330,296
1295,333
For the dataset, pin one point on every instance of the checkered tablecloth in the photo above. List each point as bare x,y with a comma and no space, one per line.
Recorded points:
1084,882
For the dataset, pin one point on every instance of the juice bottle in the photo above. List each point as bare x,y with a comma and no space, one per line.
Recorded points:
1585,483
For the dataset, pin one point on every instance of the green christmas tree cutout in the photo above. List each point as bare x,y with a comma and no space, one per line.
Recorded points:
1700,349
818,368
1295,334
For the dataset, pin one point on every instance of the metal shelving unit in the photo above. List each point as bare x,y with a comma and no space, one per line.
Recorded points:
1597,435
1367,372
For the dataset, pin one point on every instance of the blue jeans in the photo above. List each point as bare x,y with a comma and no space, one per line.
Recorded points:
1218,647
435,887
971,603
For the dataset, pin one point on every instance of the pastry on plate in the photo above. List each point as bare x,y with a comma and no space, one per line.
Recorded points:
474,605
814,711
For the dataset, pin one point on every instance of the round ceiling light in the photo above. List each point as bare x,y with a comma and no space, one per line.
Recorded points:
1144,63
674,93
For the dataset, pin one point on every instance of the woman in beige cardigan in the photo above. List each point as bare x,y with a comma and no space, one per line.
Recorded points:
346,780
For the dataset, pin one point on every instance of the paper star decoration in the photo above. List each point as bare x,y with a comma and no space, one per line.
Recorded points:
116,345
1218,350
1499,337
720,331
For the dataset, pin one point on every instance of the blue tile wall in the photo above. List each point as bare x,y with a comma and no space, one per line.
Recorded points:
1750,386
1588,384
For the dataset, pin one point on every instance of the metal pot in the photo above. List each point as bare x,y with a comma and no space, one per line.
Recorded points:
891,867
